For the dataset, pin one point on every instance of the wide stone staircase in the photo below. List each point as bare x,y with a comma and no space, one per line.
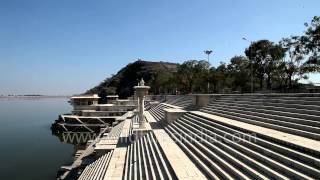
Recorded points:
234,137
145,160
298,115
226,151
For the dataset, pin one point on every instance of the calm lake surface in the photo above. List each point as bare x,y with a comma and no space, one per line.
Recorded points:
28,150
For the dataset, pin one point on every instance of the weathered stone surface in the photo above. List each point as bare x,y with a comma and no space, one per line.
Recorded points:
173,114
201,100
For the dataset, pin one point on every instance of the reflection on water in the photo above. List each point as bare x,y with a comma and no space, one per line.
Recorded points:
28,148
75,138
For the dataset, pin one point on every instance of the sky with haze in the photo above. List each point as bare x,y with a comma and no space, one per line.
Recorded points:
64,47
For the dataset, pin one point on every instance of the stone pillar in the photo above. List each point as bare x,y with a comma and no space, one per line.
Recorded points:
173,114
141,111
141,92
201,100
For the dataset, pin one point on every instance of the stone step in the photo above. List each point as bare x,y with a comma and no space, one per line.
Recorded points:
273,114
235,158
110,139
260,163
144,163
285,109
184,103
136,171
307,100
97,169
149,161
128,162
93,170
155,113
240,117
262,155
100,170
288,112
145,160
181,101
165,164
210,168
173,100
157,116
225,160
158,112
159,161
274,142
104,168
85,172
277,104
176,99
131,161
301,98
295,123
202,166
134,167
141,169
261,97
227,166
231,140
155,162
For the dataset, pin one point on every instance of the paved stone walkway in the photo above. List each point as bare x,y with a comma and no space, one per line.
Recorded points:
117,163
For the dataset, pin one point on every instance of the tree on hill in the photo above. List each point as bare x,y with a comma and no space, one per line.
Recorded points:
123,82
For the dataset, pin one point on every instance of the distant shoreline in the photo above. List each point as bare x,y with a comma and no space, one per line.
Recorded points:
33,97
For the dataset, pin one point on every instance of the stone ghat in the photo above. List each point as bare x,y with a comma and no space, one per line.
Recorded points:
251,136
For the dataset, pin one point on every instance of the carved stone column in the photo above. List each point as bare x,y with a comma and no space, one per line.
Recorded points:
141,92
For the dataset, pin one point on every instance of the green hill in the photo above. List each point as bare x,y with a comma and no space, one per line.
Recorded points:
155,74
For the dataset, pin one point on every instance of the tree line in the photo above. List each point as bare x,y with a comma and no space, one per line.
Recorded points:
266,65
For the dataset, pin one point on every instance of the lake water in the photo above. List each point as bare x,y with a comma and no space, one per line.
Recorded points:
28,150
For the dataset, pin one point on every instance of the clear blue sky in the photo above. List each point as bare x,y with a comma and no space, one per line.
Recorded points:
68,46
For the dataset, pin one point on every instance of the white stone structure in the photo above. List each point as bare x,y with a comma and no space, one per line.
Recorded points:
112,99
141,91
83,101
